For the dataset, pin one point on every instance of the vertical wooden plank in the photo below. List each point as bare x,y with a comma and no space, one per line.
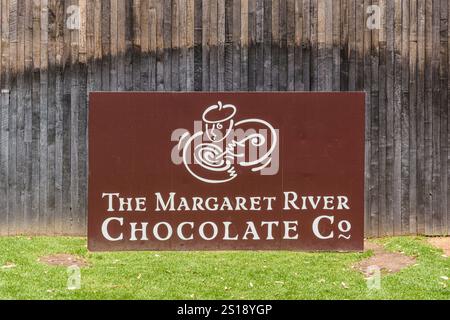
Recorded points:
59,98
314,68
447,231
434,118
12,120
420,219
83,121
24,112
206,15
221,29
267,35
114,16
428,112
198,37
136,44
22,169
382,121
228,47
106,44
4,138
213,46
344,53
353,72
68,218
4,116
28,113
82,33
290,37
283,63
35,114
145,45
435,122
152,49
175,58
236,39
1,44
250,69
51,119
367,70
397,101
49,182
4,186
306,47
182,7
190,39
374,188
246,65
259,55
4,110
405,117
159,46
321,60
298,45
89,68
121,45
443,114
128,53
1,68
393,89
357,48
44,218
275,85
167,40
324,43
413,20
360,28
336,44
390,82
74,123
97,68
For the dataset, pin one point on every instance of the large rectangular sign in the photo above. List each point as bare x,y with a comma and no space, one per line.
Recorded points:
226,171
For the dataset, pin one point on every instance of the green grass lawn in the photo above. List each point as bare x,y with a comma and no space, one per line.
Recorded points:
215,275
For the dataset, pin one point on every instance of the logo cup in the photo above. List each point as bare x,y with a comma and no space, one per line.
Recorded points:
220,144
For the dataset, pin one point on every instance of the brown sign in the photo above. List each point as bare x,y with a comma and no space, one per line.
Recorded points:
225,171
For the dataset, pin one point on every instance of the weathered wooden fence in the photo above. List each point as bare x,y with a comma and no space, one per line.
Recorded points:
53,53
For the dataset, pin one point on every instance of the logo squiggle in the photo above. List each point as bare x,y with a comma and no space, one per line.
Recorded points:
212,157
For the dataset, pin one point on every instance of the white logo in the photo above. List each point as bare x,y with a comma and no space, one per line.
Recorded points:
215,159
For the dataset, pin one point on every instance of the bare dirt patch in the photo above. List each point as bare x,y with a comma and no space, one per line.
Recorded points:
63,259
389,262
441,243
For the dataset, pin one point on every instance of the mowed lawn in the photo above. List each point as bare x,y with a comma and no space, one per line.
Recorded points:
215,275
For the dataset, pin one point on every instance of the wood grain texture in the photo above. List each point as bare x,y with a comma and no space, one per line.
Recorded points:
49,63
4,116
12,120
